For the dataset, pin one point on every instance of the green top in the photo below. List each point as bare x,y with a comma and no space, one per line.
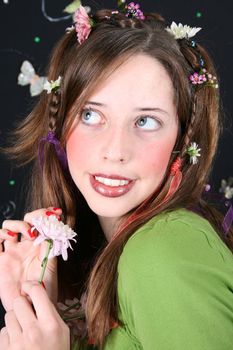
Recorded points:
175,287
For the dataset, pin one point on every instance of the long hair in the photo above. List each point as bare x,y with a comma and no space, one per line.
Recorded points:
83,67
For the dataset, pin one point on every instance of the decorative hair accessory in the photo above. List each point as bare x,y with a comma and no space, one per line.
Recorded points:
28,76
203,77
176,165
51,138
52,86
83,24
133,11
181,31
193,152
70,29
176,178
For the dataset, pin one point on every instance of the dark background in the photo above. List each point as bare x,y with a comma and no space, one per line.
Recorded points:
22,21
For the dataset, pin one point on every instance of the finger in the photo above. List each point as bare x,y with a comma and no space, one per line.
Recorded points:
57,211
44,308
19,226
14,329
8,235
4,339
42,212
24,313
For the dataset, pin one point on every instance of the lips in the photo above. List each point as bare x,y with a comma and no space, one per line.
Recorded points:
111,185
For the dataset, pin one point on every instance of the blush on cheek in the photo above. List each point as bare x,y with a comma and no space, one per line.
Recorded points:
75,148
158,158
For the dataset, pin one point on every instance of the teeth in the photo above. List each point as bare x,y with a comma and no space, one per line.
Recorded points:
111,182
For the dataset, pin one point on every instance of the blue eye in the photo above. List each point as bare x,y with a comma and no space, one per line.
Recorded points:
90,117
148,123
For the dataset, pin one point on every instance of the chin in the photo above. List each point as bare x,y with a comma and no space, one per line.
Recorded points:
110,210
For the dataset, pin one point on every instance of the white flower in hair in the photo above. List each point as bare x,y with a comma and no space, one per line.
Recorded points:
181,31
52,230
70,29
193,152
53,85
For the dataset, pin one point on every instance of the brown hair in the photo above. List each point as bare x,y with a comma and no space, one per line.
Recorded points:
83,67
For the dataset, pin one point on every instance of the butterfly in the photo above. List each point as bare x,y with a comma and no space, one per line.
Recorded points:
28,76
72,7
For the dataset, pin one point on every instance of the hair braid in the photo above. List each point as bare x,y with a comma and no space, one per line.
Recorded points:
54,105
189,132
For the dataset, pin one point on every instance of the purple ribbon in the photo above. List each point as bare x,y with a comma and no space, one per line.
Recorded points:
51,138
228,219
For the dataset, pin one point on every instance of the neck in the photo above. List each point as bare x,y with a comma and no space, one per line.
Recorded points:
109,226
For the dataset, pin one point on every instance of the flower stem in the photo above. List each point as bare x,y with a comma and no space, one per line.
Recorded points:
45,260
75,305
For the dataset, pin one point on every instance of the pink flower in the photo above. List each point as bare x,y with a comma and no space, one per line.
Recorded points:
82,24
197,78
50,228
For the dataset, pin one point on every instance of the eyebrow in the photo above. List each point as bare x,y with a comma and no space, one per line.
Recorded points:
144,109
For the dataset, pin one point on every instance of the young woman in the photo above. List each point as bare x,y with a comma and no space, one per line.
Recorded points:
126,133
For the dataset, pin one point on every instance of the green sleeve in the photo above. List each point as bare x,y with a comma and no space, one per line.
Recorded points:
175,287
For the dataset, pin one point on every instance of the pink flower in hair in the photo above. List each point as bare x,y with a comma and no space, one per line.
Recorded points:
197,78
83,24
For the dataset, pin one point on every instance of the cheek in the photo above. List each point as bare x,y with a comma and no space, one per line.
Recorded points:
156,157
76,149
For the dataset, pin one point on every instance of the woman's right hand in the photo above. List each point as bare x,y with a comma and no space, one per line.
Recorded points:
21,261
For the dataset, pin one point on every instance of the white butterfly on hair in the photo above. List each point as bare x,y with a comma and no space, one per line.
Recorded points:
28,76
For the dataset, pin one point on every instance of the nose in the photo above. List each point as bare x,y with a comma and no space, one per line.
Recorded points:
116,145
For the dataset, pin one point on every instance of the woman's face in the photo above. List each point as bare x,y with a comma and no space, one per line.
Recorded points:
121,143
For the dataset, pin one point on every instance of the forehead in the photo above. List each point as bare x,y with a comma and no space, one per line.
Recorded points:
139,78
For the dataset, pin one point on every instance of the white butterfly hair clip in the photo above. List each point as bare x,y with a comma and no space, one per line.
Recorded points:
28,76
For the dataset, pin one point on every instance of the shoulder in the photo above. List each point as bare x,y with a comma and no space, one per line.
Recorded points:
173,271
175,237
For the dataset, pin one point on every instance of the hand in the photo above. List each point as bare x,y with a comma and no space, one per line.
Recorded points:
36,326
21,261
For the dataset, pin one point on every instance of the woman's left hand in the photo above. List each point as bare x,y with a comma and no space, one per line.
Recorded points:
34,325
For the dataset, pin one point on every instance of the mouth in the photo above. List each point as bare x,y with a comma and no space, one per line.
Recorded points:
111,185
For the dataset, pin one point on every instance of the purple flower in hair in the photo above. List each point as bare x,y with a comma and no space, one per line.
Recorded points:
133,10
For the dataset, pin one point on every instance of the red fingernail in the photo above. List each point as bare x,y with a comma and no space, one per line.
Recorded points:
32,234
55,209
12,234
43,285
48,213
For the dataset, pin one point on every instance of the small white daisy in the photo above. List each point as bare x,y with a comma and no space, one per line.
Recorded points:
193,152
53,85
